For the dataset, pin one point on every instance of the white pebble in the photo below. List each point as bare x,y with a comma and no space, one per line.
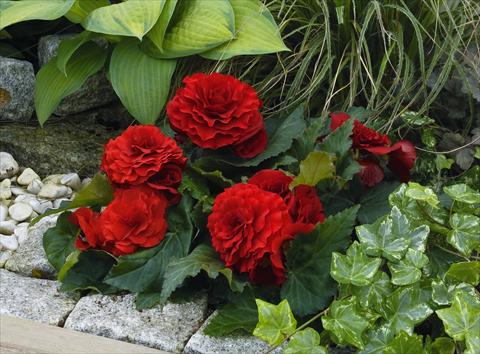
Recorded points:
9,242
55,179
8,165
71,180
4,257
18,191
53,191
27,176
7,227
5,189
34,186
41,206
20,211
21,232
86,181
58,202
3,212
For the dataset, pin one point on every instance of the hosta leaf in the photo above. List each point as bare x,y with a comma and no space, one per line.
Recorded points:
462,193
197,26
157,33
305,341
255,32
408,270
59,241
405,343
355,268
309,287
462,319
203,258
19,11
404,309
468,272
316,167
132,18
69,46
345,324
374,294
52,85
275,322
82,8
140,81
465,234
239,313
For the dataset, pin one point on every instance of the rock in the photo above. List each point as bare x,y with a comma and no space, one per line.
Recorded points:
74,145
27,176
30,256
20,211
3,212
7,227
21,232
57,203
18,191
4,256
9,242
41,206
200,343
86,181
55,179
35,186
96,91
33,299
5,189
71,180
166,328
53,191
17,78
8,165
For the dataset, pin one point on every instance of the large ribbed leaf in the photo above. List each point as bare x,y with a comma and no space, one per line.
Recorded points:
52,85
69,46
141,82
157,33
133,18
255,32
82,8
18,11
197,26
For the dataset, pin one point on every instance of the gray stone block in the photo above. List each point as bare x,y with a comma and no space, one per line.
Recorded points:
30,258
33,299
167,328
96,91
17,78
200,343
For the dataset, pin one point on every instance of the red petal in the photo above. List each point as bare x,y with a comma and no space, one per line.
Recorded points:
371,172
402,159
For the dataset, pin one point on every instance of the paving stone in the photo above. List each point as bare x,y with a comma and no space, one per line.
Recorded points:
33,299
167,328
30,259
200,343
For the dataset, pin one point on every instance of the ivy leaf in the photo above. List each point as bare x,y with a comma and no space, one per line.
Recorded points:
377,340
468,272
443,294
442,163
345,324
405,343
408,270
275,322
462,193
316,167
59,241
404,309
355,268
424,194
88,272
464,235
305,341
203,258
462,319
442,345
374,294
144,270
309,287
239,313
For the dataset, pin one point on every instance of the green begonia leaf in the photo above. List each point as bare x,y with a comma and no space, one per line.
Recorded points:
405,343
462,319
309,287
316,167
305,341
462,193
404,309
468,272
59,241
355,268
408,270
374,294
339,142
275,322
374,202
465,234
344,322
